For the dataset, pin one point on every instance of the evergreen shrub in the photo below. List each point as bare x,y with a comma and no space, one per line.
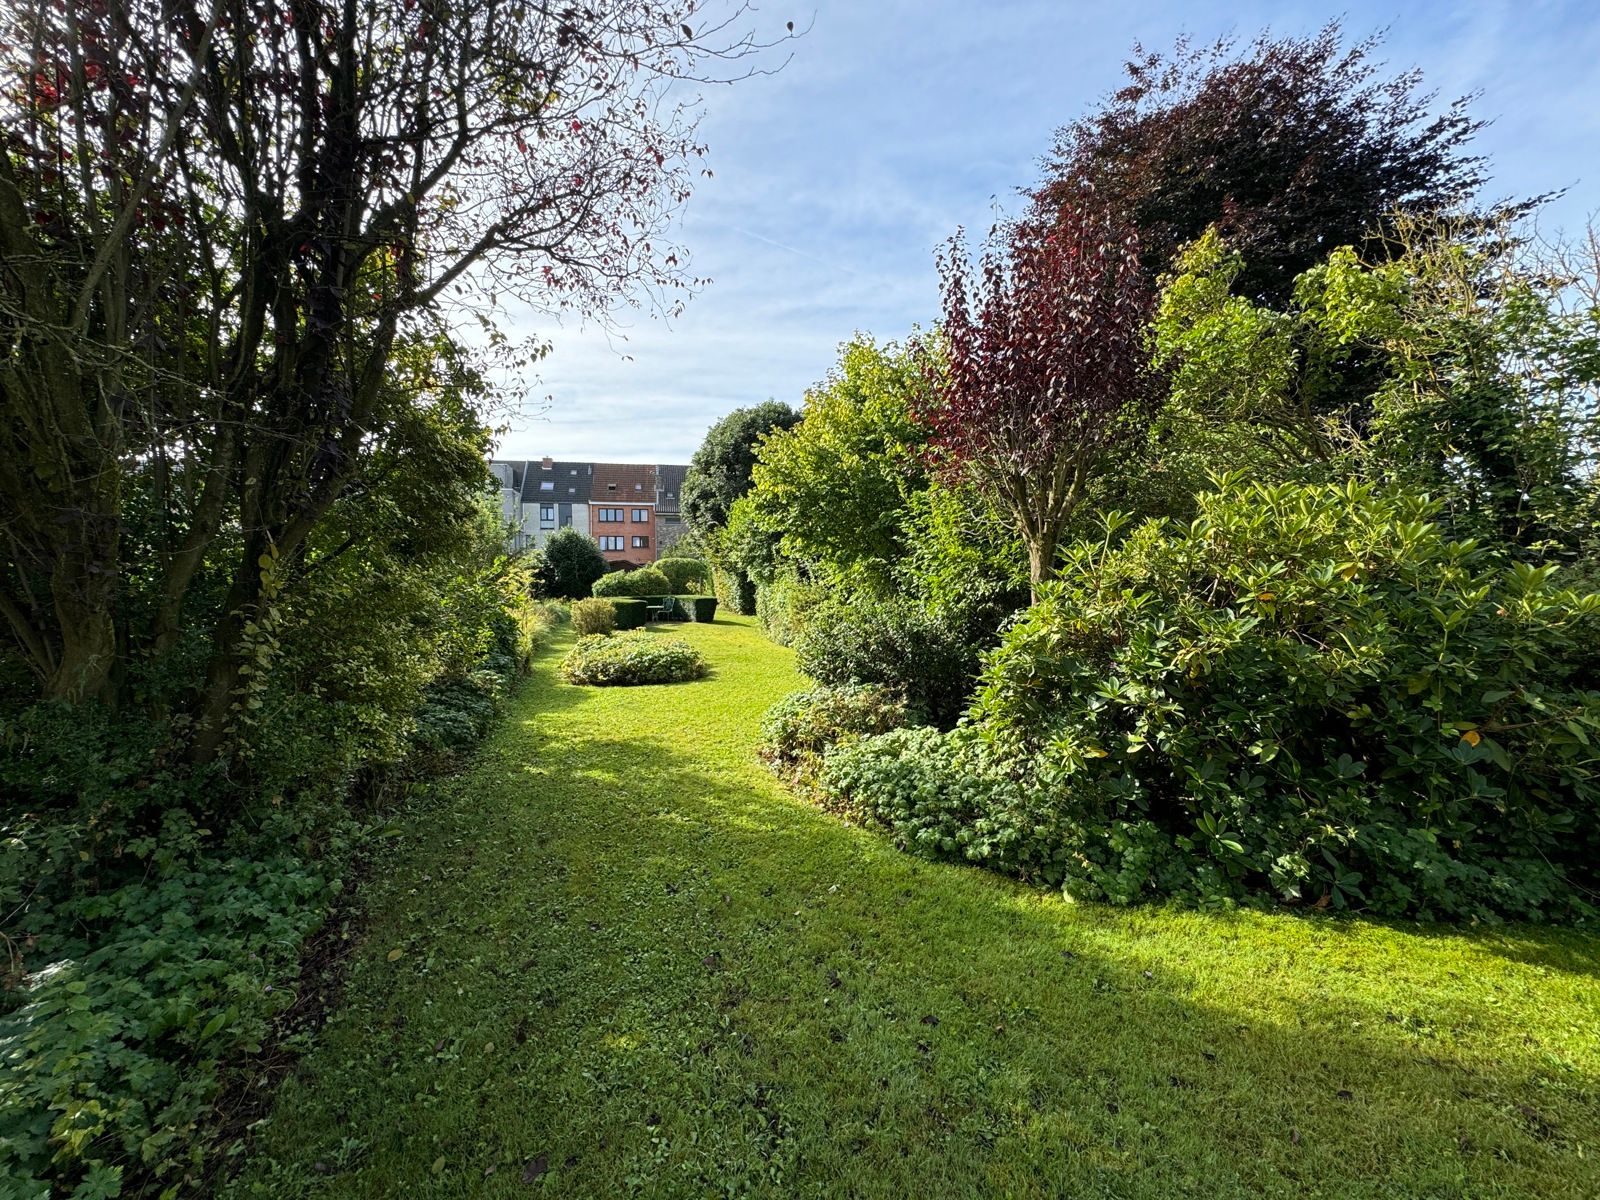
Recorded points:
699,608
1308,696
630,612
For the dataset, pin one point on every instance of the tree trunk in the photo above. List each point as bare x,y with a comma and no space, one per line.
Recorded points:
83,586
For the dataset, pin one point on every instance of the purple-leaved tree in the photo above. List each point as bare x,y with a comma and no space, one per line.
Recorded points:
1044,367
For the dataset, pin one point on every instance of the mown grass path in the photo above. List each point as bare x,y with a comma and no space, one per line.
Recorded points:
615,959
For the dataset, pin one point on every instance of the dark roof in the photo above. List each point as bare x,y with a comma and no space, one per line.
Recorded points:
629,483
585,482
669,486
569,481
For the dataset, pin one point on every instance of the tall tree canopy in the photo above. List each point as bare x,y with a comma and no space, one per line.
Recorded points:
220,220
1293,147
835,485
719,472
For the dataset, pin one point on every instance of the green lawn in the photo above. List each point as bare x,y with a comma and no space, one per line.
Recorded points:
615,958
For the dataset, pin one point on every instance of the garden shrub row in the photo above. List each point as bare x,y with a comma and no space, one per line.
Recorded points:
151,951
632,658
1309,695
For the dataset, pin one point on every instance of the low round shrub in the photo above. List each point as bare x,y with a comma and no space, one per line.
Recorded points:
630,658
646,581
940,797
593,616
892,641
685,575
801,727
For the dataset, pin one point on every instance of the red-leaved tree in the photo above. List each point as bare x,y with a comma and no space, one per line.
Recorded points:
1045,366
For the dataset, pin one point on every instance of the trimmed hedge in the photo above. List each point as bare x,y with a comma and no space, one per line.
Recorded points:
698,608
631,613
670,603
632,658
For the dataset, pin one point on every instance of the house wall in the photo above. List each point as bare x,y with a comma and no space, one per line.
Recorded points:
638,520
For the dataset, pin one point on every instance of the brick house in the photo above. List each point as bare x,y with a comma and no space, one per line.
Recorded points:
630,509
623,512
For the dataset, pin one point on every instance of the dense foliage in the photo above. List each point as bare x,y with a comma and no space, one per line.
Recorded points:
1309,693
1044,368
685,575
719,472
572,564
833,487
896,642
1292,147
592,616
798,730
152,944
646,581
632,658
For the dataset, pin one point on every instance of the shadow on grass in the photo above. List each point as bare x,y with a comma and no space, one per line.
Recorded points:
703,987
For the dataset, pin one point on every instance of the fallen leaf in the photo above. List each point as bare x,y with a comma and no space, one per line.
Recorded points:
395,953
535,1168
438,1165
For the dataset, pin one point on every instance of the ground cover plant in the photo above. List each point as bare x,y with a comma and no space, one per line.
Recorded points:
616,958
632,658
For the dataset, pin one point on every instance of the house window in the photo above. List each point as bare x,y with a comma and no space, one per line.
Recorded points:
547,516
611,487
547,485
611,543
610,516
641,515
641,543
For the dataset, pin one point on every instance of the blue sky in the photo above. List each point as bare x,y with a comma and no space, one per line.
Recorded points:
894,123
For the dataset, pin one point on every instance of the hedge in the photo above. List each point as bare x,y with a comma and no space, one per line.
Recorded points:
631,613
699,608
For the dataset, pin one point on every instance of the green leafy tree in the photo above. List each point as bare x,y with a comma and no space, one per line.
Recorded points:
719,472
573,562
211,270
1472,373
835,485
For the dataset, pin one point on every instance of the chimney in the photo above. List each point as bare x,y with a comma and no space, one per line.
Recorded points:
548,463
